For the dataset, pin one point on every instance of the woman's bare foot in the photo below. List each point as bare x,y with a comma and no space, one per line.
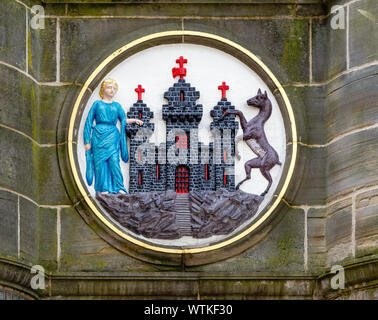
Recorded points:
122,192
105,192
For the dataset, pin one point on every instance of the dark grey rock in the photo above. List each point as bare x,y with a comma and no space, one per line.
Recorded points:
222,211
154,215
149,214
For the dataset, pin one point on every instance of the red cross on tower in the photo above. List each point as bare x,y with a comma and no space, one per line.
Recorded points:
224,88
139,90
181,71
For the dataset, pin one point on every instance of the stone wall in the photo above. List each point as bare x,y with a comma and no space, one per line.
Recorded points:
330,217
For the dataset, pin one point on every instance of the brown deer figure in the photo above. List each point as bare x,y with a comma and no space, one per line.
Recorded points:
254,136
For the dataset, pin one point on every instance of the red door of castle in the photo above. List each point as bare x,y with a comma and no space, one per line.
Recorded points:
182,179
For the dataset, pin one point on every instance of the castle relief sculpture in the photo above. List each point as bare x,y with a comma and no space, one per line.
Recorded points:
180,187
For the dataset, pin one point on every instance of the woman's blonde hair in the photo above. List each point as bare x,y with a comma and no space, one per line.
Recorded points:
104,84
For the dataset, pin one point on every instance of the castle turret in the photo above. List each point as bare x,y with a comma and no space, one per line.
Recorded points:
182,116
142,159
224,128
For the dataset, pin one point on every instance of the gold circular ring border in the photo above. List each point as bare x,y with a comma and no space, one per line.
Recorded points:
182,33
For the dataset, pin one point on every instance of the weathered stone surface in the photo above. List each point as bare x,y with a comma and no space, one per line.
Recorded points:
328,4
222,9
13,40
17,274
308,106
80,45
51,101
364,294
51,189
316,238
278,2
42,51
281,44
10,294
352,162
141,285
29,231
48,238
83,250
281,250
328,50
18,96
18,159
363,32
243,288
367,223
8,224
310,175
320,53
310,10
56,9
339,232
352,102
31,3
360,276
72,190
32,171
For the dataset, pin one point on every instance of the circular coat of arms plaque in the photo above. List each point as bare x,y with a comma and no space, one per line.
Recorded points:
180,145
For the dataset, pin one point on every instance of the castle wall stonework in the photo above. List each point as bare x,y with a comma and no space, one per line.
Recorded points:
328,217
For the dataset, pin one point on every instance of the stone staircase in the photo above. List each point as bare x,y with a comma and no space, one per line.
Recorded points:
183,217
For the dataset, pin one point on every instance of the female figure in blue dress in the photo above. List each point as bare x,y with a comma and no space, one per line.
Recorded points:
106,141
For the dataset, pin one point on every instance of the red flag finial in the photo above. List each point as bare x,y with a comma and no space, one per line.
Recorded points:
139,90
181,71
223,88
